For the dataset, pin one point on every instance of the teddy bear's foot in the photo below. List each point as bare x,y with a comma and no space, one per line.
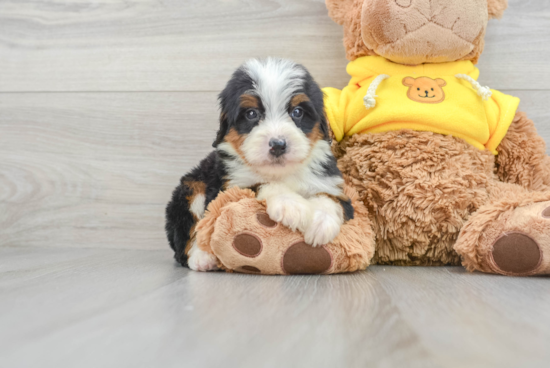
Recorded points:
242,234
296,257
516,243
516,254
299,259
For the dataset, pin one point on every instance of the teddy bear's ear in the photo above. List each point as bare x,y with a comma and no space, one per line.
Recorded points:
496,8
441,82
339,10
408,81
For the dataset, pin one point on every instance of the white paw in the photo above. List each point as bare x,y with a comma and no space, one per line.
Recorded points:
200,260
327,219
323,228
291,210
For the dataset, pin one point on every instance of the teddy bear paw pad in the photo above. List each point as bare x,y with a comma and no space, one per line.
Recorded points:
248,269
265,220
516,254
248,245
302,258
546,213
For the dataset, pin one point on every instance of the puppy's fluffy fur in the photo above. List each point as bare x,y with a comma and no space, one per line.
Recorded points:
274,139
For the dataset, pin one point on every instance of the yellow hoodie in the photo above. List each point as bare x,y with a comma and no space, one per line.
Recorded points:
441,98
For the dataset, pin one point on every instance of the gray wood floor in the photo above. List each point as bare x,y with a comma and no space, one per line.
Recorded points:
136,308
104,104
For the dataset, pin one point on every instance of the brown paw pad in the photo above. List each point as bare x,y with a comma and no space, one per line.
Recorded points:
263,218
248,245
302,258
248,269
517,253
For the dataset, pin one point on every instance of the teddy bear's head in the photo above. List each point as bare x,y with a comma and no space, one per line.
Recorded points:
415,31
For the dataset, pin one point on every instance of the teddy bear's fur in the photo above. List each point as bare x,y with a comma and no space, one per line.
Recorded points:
238,231
435,199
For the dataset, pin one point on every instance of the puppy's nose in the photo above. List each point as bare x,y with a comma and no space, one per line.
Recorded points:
278,147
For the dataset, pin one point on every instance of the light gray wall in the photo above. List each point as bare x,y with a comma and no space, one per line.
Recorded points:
103,105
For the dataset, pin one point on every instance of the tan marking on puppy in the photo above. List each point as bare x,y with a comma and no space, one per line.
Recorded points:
337,199
249,102
192,238
197,187
236,140
298,99
315,135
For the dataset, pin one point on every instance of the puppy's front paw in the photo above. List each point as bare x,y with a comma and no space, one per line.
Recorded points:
291,210
326,222
323,229
200,260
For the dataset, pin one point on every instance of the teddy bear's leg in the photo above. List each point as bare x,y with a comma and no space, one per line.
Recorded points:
522,157
241,234
510,235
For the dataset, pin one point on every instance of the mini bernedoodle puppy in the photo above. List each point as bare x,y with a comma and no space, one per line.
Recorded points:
273,139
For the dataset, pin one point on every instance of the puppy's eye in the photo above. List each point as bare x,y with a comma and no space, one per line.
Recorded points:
418,89
251,114
297,113
432,89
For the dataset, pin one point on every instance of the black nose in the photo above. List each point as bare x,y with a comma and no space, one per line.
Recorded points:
278,147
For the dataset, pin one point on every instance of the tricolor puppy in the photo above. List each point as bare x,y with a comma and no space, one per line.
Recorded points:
274,139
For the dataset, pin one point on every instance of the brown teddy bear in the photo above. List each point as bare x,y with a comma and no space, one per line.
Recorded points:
449,170
439,168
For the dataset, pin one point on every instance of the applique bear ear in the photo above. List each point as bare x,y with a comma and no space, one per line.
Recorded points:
409,81
496,8
339,10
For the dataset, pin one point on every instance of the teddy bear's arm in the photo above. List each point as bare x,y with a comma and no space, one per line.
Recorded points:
522,157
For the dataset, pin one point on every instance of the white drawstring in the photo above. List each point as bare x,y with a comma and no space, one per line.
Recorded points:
484,92
370,97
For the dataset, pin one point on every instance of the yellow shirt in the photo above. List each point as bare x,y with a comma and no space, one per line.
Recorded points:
428,97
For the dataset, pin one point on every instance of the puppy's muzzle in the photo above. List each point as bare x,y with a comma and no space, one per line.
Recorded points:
278,147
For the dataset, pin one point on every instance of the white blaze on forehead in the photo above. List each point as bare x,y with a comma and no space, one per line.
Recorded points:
275,82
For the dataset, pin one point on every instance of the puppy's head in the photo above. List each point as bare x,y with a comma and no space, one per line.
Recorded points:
272,116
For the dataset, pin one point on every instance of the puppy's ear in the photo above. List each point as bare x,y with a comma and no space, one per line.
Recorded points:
224,128
496,8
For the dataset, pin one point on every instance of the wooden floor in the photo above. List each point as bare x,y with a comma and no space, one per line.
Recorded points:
104,104
136,308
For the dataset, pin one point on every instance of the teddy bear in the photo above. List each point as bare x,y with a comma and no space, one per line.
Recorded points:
238,231
450,171
441,170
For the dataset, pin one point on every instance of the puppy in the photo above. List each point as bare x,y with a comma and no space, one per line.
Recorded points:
274,139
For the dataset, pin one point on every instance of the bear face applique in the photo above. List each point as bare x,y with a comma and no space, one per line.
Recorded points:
425,90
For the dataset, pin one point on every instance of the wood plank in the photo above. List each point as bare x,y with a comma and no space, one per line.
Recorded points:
96,169
473,320
112,308
174,45
152,45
